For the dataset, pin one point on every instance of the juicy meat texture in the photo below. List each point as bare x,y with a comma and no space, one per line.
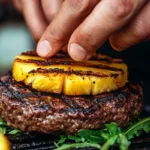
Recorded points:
29,110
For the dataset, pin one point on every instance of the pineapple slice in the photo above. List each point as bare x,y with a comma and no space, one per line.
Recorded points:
61,74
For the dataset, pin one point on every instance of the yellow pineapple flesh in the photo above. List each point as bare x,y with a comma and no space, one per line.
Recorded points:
63,75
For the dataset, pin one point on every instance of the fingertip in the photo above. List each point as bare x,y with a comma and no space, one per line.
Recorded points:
44,48
77,52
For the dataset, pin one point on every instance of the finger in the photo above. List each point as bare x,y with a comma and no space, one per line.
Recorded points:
34,17
50,8
137,31
18,5
72,13
64,49
107,17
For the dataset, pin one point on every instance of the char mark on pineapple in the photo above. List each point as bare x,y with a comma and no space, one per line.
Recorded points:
69,72
100,57
50,62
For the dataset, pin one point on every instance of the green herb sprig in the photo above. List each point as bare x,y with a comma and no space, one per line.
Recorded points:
105,138
4,129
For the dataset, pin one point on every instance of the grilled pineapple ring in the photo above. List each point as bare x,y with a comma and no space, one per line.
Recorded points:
61,74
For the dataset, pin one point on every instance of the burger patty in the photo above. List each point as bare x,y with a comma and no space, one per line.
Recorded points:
29,110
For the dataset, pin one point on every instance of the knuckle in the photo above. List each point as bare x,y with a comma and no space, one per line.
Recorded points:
141,30
51,14
122,8
87,38
53,33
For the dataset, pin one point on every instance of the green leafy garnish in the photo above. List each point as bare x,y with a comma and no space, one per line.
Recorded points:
78,145
112,134
13,132
142,125
109,142
123,142
101,139
4,129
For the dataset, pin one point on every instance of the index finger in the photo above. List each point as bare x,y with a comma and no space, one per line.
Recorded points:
57,34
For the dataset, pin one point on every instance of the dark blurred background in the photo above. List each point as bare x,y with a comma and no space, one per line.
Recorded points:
15,38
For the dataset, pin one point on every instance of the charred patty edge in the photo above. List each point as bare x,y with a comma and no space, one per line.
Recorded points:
30,110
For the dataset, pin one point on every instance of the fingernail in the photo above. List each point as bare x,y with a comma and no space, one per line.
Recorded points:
44,48
77,52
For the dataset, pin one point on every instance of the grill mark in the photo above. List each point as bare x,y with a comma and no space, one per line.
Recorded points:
75,108
36,98
76,72
51,99
64,55
95,111
103,99
86,104
19,95
8,91
110,97
22,95
30,53
70,101
133,90
91,109
48,62
72,107
42,101
58,55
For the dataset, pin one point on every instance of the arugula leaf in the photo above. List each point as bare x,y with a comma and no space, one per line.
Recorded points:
112,128
109,136
76,138
91,136
78,145
104,134
15,131
2,123
61,141
109,143
123,142
136,129
3,130
4,127
1,120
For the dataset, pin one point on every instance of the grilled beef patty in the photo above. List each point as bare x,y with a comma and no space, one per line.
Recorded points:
29,110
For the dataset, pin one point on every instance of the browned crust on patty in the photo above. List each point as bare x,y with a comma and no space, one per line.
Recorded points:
30,110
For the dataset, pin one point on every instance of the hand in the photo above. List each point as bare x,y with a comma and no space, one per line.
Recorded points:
38,14
86,24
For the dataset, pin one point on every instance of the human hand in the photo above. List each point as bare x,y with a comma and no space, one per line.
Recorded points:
86,24
38,14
